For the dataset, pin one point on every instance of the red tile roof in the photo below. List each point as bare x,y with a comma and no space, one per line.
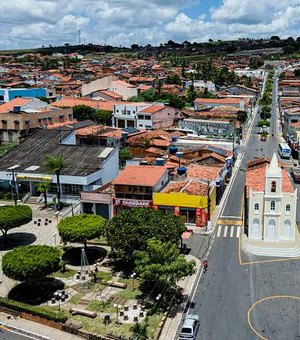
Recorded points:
147,175
218,100
203,172
188,186
7,107
255,179
96,104
153,109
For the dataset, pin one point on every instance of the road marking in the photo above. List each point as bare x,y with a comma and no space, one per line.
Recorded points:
232,231
219,231
238,232
225,231
230,221
260,301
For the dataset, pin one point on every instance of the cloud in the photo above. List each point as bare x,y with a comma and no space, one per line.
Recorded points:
33,23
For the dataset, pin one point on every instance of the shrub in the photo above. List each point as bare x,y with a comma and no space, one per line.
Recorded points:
34,310
31,263
81,228
13,216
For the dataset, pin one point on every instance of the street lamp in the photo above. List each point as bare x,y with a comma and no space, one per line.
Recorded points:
54,235
133,275
118,307
56,215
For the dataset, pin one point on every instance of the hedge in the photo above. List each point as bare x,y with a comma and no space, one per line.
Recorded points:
33,310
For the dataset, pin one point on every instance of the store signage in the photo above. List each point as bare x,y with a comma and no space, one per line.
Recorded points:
132,203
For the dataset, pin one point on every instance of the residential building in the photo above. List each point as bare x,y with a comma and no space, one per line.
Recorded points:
110,83
143,116
136,184
271,203
7,94
204,103
20,116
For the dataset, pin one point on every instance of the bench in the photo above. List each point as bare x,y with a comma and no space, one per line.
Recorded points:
116,284
89,314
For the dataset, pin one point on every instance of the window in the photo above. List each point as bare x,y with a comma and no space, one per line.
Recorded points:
288,208
273,186
273,205
256,206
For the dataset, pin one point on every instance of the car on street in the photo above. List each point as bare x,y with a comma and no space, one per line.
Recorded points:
263,138
190,327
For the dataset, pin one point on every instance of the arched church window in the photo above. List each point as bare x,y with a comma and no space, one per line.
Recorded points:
256,206
288,208
273,205
273,186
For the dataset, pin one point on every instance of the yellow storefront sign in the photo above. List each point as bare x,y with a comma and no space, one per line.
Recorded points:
37,178
179,199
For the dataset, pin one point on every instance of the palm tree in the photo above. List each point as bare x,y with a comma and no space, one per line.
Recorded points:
42,188
55,164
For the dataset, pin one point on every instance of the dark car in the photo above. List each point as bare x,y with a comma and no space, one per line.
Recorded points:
263,138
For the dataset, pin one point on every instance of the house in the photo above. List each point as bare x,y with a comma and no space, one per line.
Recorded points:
20,116
200,103
87,167
110,83
7,94
143,116
136,184
270,210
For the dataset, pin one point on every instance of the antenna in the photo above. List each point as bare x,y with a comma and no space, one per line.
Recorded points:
79,37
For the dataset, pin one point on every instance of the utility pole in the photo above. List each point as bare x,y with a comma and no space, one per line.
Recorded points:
208,202
14,187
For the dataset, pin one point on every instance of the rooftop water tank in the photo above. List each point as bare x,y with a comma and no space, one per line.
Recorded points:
181,170
159,161
173,149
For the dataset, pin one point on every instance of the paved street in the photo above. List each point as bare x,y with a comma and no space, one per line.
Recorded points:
6,334
239,297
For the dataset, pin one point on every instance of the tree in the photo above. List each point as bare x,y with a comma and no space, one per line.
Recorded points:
131,230
81,228
297,72
14,217
242,116
173,79
162,263
83,112
31,263
55,164
288,49
42,188
275,37
103,117
175,101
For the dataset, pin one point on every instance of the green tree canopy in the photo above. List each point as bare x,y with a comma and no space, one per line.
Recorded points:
83,112
131,230
81,228
14,216
31,263
162,263
242,116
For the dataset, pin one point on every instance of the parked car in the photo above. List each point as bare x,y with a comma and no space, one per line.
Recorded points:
263,138
190,327
296,174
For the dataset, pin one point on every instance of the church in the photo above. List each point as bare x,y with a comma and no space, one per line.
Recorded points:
270,203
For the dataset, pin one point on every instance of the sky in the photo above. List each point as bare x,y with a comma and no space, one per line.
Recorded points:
36,23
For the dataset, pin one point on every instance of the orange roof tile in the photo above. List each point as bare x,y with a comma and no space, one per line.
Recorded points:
218,100
111,94
153,109
96,104
188,186
147,175
203,172
255,179
7,107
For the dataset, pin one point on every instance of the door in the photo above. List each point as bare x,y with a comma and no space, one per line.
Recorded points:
255,230
287,230
271,231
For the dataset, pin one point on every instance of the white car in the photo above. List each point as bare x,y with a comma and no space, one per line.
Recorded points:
190,327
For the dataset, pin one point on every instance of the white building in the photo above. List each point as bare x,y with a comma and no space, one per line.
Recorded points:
271,204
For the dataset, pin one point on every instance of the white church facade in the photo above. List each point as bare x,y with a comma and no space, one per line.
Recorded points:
271,203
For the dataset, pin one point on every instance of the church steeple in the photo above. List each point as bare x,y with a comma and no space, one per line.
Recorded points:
273,170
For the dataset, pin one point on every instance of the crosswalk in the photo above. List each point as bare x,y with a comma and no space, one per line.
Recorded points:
228,231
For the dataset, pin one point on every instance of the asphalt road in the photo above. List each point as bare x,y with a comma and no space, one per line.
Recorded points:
228,290
6,334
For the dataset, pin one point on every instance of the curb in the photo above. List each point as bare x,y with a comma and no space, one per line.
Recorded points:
25,332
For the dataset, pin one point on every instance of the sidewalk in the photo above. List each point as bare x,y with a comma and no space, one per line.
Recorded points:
170,327
35,329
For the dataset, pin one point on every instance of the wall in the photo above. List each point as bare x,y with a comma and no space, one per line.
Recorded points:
99,84
164,118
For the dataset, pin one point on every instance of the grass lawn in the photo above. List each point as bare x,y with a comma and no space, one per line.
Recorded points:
129,294
76,298
104,276
102,307
64,274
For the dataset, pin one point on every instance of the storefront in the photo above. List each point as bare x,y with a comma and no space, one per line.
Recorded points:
120,204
